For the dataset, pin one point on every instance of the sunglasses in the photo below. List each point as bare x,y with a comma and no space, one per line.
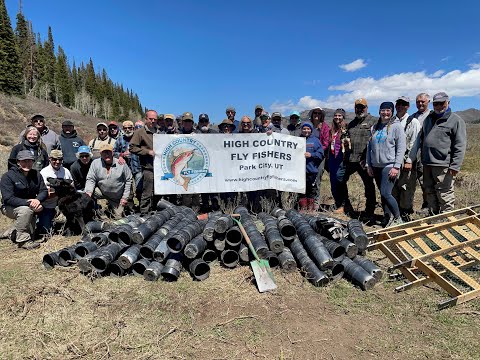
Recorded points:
128,128
439,103
56,159
38,121
246,123
102,129
84,156
231,112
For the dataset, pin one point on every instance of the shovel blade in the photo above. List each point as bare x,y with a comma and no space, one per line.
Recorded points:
263,275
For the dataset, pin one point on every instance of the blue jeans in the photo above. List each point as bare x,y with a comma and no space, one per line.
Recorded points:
385,184
338,189
45,220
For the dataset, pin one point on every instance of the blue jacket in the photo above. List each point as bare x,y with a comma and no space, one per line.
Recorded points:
315,148
122,145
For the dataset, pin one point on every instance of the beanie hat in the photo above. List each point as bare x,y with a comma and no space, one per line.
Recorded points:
340,111
308,125
387,105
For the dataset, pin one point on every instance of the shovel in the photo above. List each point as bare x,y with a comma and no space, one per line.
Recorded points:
261,267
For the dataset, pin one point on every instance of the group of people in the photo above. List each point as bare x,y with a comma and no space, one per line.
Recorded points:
395,150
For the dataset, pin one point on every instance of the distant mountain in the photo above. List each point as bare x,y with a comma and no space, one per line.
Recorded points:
469,115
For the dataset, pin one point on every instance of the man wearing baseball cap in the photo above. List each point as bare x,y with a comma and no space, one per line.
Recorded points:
49,137
79,169
404,189
442,143
122,152
204,125
358,132
257,121
187,124
23,192
108,179
54,170
70,142
230,111
113,130
101,139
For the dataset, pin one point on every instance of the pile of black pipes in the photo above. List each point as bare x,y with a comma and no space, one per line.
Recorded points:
175,239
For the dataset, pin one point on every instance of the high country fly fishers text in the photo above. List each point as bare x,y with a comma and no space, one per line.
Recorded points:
263,154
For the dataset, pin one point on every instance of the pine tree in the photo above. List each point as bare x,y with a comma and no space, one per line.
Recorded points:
10,68
49,63
63,80
23,43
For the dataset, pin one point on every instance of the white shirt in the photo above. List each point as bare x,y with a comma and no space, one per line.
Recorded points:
49,171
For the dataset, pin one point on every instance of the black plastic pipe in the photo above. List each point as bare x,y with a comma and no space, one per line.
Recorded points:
161,251
229,258
139,267
277,212
153,271
116,269
109,254
195,247
147,250
67,255
234,236
50,260
286,228
357,234
356,274
173,267
94,226
177,241
336,250
272,233
272,259
199,269
351,249
223,223
256,238
287,261
209,256
336,272
369,267
209,228
84,248
101,239
129,256
311,271
243,253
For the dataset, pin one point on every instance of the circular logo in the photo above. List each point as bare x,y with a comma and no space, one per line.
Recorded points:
185,162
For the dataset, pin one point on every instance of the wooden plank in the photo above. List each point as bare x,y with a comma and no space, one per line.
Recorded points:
460,299
408,273
427,279
436,253
474,254
458,273
436,227
439,279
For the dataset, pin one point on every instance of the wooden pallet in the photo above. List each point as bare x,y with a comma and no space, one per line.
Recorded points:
444,249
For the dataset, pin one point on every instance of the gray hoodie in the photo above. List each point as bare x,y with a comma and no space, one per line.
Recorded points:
386,146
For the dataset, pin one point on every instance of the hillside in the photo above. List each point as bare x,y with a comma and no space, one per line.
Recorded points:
15,113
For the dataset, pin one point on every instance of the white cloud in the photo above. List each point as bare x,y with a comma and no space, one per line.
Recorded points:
474,66
455,83
353,66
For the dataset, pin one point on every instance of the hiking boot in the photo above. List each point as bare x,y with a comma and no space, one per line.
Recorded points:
423,212
338,210
302,204
29,245
396,221
10,234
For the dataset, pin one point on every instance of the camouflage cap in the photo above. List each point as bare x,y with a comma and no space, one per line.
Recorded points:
56,154
187,116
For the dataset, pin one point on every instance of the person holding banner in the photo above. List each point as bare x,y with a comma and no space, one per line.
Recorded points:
227,127
246,126
314,156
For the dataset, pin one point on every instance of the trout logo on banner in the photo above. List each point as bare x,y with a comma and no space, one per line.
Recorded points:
185,161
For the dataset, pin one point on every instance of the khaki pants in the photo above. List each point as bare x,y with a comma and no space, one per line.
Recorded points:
439,189
25,220
404,189
114,205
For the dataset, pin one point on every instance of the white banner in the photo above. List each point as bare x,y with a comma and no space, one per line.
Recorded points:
206,163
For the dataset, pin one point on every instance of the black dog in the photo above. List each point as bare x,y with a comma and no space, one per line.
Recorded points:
78,208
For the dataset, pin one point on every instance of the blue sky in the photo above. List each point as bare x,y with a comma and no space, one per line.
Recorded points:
201,56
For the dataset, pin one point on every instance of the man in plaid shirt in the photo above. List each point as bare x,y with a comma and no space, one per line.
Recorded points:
355,155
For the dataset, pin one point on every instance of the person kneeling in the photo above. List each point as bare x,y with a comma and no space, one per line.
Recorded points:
108,179
23,191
